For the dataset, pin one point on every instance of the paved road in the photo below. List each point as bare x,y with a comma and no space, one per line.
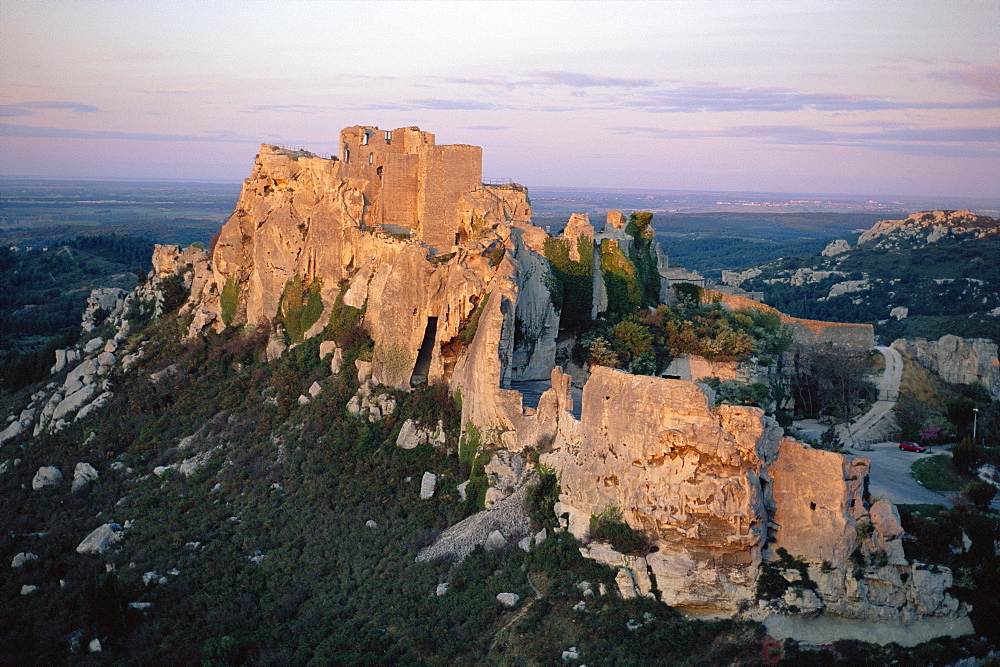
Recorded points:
890,475
888,391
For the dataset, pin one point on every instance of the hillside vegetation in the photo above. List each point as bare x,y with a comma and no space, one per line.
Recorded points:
947,285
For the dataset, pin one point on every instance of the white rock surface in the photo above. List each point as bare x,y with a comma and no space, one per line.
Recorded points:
28,589
427,485
100,539
508,599
22,558
441,589
46,476
83,475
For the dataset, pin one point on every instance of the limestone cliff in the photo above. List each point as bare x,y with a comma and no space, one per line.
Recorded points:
957,360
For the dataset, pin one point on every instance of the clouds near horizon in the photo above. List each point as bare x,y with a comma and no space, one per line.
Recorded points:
716,94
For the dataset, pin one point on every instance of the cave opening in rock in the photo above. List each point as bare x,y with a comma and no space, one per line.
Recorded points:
423,365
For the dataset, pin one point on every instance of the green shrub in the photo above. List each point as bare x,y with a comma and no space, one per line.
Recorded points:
300,307
979,493
468,332
571,285
540,499
229,300
609,527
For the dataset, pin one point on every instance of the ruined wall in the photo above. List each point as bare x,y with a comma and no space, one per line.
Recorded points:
807,333
687,474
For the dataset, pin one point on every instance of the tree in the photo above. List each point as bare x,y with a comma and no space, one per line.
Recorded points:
966,455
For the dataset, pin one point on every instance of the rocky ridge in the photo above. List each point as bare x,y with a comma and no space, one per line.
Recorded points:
716,488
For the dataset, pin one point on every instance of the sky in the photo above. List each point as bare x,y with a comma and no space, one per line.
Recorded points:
866,97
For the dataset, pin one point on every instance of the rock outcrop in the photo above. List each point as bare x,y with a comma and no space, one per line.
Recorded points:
957,360
685,473
933,226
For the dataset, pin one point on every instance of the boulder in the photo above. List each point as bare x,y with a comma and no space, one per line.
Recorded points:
371,523
315,389
508,599
427,485
410,435
495,541
441,589
83,475
106,359
46,476
74,401
93,345
22,558
28,589
835,248
102,537
13,430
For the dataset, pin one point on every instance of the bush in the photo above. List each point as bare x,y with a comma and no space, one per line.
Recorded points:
609,527
229,300
979,493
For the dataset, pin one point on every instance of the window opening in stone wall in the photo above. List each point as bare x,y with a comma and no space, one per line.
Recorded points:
812,506
388,136
379,172
457,238
347,155
371,158
423,365
364,138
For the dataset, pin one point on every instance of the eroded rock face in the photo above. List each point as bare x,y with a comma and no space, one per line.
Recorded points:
817,499
688,475
957,360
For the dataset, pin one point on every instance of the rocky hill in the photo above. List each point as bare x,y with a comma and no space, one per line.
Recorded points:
930,274
322,455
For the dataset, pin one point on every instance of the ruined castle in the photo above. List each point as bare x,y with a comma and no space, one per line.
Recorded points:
453,283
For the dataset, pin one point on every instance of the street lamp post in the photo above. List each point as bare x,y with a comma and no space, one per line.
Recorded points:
975,420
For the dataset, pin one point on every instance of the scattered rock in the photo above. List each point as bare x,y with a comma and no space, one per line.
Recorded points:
46,476
508,599
93,345
153,577
570,654
160,375
315,389
94,646
100,539
370,523
28,589
22,558
835,248
461,489
441,589
83,475
427,485
303,399
140,606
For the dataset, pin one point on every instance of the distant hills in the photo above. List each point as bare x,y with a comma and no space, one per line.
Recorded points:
927,275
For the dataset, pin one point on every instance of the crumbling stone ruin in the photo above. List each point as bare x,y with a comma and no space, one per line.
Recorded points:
454,285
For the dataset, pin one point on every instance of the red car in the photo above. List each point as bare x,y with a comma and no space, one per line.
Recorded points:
912,447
